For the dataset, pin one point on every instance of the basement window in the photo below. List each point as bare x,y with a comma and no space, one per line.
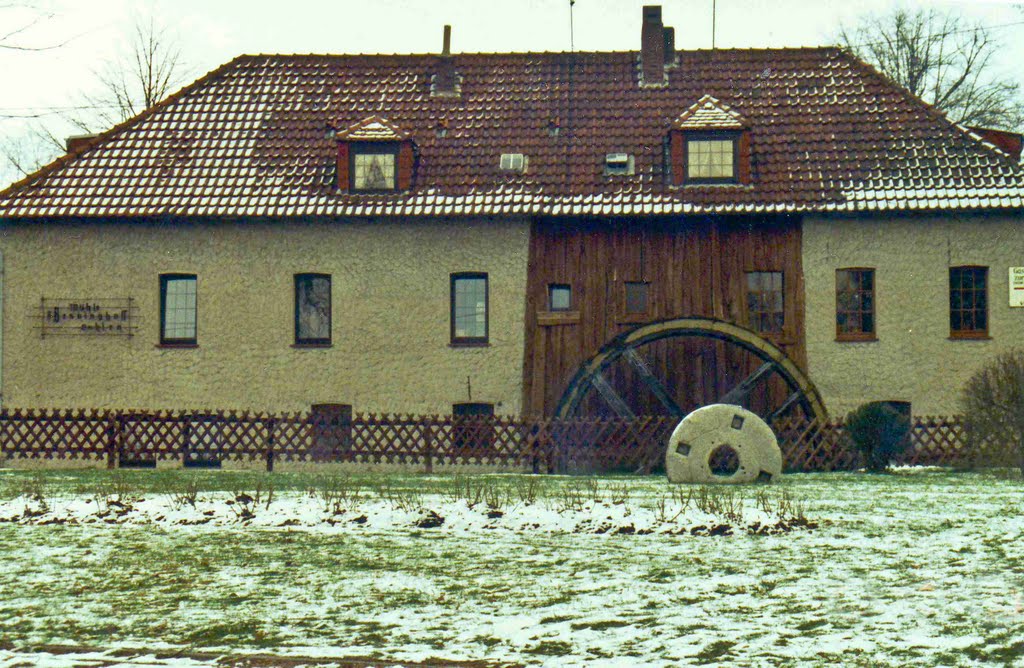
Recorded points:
472,426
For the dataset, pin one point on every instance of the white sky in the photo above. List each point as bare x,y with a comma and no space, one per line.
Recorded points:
212,32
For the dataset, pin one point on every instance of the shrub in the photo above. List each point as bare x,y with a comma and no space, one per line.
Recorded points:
879,432
993,405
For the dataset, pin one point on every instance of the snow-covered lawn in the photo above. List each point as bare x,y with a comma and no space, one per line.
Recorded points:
922,567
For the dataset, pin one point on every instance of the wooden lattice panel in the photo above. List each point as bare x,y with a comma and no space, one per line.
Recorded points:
53,434
814,446
540,445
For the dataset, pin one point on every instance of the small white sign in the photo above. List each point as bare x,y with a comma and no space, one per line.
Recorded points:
1017,287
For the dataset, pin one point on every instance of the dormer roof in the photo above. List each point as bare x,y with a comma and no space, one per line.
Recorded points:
709,113
373,128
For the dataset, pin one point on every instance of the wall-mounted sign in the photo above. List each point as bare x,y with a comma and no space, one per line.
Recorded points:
114,316
1017,287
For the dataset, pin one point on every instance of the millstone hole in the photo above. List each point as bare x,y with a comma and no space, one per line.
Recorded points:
683,449
724,461
764,477
737,422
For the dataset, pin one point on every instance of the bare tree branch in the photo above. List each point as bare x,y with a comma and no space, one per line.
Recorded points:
23,153
146,72
136,80
943,60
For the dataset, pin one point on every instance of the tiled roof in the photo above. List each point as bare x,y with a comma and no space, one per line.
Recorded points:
257,137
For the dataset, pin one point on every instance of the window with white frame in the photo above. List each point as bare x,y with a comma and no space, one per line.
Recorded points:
178,309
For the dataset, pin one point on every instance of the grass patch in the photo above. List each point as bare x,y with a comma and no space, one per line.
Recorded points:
600,626
456,595
550,648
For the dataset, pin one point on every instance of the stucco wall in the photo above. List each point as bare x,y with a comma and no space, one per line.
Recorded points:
390,320
913,359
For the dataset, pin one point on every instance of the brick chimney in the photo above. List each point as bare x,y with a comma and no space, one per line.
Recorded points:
446,80
78,142
652,47
670,47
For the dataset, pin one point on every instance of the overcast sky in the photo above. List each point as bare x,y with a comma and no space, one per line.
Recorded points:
85,33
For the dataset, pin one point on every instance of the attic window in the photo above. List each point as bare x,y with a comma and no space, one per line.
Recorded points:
710,143
513,162
375,156
373,166
711,157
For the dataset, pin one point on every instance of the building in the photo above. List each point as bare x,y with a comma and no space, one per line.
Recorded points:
407,233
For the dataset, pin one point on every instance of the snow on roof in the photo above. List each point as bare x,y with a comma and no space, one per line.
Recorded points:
256,137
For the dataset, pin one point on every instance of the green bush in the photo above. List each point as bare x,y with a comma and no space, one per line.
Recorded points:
879,432
993,406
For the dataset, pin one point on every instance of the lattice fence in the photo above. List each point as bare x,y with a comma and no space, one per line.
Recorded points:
206,438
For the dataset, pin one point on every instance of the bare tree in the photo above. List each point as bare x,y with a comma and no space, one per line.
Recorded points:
135,80
23,147
26,150
148,69
942,59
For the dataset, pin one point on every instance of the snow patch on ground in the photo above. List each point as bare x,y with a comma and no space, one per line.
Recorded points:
307,512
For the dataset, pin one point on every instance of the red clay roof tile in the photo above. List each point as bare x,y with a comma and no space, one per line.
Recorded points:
255,137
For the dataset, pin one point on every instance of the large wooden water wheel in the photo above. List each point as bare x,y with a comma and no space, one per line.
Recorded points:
636,374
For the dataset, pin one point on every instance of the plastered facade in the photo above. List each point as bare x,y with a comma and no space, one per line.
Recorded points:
390,289
914,358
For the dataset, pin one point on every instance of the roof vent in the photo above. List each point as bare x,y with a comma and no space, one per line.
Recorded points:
513,162
618,164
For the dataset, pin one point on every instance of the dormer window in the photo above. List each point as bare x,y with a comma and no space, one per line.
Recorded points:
375,156
710,144
374,166
711,157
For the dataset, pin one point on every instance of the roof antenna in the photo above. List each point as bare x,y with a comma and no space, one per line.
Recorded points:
568,102
714,15
572,45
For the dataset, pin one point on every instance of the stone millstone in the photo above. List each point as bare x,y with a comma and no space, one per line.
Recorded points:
706,429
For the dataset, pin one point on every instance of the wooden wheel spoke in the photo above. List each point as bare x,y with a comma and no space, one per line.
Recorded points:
784,406
652,382
611,397
739,394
